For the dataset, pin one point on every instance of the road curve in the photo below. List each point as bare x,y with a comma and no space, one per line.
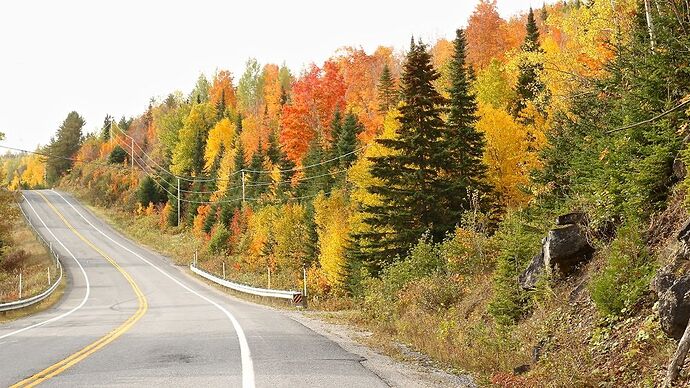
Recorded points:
189,334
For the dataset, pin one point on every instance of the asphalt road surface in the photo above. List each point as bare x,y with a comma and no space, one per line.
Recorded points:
130,318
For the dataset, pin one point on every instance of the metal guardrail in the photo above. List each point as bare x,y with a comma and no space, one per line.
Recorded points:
21,303
294,296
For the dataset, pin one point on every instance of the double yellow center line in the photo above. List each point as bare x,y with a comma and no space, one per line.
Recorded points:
72,360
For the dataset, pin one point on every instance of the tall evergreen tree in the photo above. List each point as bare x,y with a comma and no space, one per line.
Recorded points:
273,151
220,106
529,85
387,93
64,146
106,130
233,195
316,178
411,177
258,181
346,144
463,143
124,123
238,124
336,128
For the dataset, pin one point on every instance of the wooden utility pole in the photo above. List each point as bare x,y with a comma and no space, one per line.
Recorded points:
178,201
243,195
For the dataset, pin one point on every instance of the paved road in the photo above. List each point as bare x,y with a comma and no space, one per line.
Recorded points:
130,318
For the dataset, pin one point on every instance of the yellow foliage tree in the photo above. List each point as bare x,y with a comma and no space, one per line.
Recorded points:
185,155
260,226
220,138
506,154
35,171
290,236
331,215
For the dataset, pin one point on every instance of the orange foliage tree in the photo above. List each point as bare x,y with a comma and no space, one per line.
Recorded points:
222,90
486,35
316,95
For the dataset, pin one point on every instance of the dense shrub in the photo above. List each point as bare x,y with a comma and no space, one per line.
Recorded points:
219,240
517,243
14,260
149,192
627,273
117,156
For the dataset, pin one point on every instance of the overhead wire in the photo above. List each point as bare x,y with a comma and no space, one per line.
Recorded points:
234,200
261,184
210,179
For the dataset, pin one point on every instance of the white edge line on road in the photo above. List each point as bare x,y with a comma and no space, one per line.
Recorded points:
86,278
247,363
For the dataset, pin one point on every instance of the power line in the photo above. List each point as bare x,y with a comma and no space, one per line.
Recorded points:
181,177
262,184
657,117
211,179
47,155
276,200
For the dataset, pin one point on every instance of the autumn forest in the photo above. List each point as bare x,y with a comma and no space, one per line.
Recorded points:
413,188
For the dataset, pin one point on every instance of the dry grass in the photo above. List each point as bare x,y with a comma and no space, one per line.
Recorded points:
33,264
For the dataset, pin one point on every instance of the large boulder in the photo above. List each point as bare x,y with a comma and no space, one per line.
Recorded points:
575,218
563,249
674,307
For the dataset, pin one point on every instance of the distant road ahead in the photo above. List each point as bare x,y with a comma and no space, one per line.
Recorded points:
130,318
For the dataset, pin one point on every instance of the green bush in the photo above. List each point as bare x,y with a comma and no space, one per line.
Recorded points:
435,293
517,243
219,241
467,253
117,156
626,276
423,260
149,192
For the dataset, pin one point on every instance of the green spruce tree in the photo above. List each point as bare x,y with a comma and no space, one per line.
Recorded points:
529,87
64,146
106,130
316,175
346,144
411,177
258,180
387,93
463,143
233,196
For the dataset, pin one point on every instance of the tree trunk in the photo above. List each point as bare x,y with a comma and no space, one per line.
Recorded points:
650,23
678,358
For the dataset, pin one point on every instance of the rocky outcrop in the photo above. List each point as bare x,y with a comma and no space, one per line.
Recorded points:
674,307
529,277
563,249
673,291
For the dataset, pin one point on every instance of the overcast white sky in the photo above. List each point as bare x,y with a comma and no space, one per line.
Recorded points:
98,58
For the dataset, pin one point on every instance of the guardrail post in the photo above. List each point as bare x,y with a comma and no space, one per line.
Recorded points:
304,277
20,284
299,301
223,270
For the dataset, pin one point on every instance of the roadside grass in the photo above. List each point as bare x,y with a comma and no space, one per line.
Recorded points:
29,257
